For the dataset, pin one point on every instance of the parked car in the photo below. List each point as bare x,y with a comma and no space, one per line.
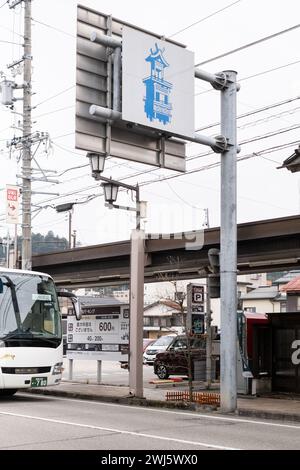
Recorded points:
175,359
159,345
147,342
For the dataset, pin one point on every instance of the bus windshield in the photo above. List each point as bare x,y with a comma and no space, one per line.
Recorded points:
29,311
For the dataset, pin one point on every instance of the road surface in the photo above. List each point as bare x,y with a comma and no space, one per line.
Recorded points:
33,422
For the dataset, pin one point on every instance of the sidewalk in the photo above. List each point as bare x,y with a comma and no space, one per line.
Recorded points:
277,407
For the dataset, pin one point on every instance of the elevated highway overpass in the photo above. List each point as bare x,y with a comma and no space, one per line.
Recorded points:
264,245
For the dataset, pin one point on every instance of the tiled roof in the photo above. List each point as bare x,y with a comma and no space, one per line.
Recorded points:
292,286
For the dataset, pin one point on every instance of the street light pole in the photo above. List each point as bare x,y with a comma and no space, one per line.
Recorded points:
137,255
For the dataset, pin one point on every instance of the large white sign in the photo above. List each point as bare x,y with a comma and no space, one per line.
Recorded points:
12,204
158,83
102,333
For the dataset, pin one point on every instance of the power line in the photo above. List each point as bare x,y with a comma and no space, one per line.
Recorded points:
216,164
269,70
269,118
255,111
11,31
54,111
55,29
250,44
7,1
11,42
205,18
255,75
54,96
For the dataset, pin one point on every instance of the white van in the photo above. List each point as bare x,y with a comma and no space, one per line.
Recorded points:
158,346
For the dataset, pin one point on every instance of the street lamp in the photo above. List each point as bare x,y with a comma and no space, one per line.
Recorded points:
110,192
97,162
67,207
111,187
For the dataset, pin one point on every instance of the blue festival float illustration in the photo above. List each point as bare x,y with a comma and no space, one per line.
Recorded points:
157,100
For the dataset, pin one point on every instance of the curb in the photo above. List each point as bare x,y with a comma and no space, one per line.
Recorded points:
146,402
274,415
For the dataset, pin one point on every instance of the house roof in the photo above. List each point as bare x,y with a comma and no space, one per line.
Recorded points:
287,277
167,302
164,308
264,292
292,286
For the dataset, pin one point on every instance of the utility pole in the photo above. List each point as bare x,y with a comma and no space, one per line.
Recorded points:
26,156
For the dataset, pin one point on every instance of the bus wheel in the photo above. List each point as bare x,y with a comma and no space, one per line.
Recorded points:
8,392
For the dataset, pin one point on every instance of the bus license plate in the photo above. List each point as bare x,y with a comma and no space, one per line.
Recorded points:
39,381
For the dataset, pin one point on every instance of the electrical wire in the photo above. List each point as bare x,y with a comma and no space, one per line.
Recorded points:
251,113
54,28
269,118
216,164
258,74
11,42
54,96
11,31
250,44
54,111
205,18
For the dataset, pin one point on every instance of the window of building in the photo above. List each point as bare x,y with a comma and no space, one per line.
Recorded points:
250,309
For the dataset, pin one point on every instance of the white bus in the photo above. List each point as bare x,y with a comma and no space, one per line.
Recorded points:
31,349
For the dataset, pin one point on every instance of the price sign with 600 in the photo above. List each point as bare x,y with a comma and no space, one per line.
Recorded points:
106,326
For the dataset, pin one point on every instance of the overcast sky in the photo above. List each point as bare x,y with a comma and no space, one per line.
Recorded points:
176,204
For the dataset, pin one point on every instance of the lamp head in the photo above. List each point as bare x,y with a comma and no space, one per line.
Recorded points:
97,162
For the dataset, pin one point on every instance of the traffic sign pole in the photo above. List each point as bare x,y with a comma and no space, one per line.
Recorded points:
228,255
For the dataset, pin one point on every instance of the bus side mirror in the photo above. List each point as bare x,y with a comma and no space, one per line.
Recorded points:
74,300
76,307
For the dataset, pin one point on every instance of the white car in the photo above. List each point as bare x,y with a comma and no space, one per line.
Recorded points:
158,346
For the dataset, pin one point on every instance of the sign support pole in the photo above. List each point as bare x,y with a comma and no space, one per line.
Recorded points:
228,254
208,336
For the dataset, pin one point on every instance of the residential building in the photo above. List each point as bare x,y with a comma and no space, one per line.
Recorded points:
264,299
292,291
162,317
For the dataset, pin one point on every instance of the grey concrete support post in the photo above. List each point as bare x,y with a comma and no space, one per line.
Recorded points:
70,369
228,253
136,313
99,372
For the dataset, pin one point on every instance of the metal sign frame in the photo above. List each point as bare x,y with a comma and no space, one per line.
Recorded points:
94,85
195,308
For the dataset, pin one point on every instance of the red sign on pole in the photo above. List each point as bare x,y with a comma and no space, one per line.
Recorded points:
12,204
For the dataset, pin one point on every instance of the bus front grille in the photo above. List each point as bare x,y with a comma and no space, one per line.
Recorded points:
25,370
